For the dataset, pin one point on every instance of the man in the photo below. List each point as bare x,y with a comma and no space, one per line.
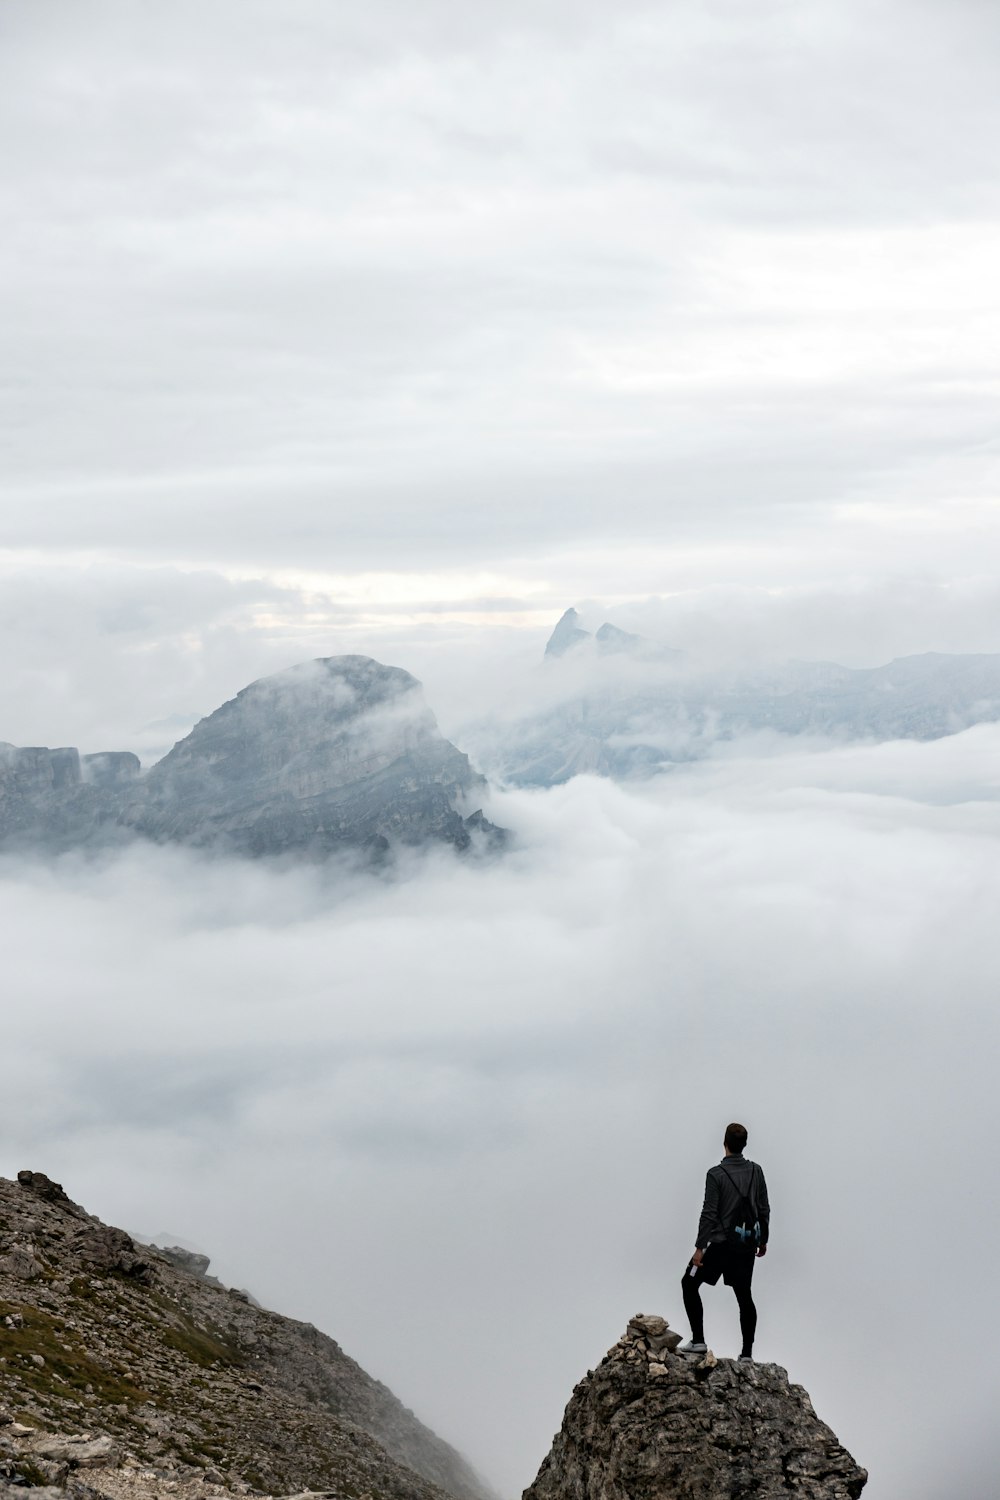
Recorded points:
732,1233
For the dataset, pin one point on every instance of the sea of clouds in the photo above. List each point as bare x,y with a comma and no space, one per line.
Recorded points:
459,1115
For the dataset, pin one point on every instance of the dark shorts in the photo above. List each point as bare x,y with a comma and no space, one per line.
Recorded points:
735,1266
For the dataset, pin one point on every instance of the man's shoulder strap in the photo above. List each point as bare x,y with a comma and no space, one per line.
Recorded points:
751,1182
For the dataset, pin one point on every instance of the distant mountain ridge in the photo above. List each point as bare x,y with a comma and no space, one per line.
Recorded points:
339,753
624,707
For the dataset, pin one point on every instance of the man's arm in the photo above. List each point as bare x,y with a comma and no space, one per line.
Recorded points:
709,1223
763,1212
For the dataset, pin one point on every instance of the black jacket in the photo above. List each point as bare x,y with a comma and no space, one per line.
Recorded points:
724,1187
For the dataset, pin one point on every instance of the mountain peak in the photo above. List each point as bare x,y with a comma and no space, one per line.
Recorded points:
337,753
649,1423
566,635
608,639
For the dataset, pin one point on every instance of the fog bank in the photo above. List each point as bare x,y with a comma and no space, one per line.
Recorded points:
459,1118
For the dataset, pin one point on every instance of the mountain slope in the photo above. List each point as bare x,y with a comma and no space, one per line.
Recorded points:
104,1336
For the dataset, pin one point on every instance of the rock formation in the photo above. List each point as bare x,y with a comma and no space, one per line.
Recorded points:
340,753
649,1424
123,1375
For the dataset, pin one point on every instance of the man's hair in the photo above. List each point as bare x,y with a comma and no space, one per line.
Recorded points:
736,1138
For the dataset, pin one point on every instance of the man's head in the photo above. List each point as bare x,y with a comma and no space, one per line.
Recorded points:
735,1139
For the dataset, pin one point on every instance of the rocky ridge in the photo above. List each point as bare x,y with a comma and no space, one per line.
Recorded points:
337,754
614,704
650,1424
124,1374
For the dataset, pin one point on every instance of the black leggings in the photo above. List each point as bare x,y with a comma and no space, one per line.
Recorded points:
738,1271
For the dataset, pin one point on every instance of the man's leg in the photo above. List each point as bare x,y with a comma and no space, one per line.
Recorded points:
742,1273
691,1292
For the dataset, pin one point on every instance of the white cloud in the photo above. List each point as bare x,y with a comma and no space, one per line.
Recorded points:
371,293
460,1118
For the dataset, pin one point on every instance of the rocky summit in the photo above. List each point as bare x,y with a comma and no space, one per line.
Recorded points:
334,754
651,1424
129,1373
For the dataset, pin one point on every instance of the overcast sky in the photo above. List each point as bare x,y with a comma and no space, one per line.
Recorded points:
397,328
461,313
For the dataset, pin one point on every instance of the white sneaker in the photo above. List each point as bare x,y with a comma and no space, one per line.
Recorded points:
692,1348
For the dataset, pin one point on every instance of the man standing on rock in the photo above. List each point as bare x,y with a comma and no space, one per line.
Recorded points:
732,1233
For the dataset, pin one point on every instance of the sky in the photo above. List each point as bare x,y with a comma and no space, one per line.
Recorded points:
397,329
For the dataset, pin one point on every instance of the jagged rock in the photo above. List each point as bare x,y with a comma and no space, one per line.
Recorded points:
51,1192
110,1249
340,753
185,1260
649,1427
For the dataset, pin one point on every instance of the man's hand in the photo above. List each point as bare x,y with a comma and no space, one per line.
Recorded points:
761,1251
697,1257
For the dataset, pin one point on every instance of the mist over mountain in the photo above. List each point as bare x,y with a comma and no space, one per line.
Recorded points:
335,754
612,703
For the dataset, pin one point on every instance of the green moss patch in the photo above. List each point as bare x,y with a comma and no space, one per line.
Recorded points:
203,1346
65,1357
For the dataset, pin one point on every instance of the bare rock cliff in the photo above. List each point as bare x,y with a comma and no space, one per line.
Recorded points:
650,1424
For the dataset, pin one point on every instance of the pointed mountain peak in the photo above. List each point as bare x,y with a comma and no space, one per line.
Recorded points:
566,635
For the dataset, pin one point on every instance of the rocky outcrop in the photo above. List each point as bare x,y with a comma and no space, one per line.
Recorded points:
335,754
122,1374
650,1424
185,1260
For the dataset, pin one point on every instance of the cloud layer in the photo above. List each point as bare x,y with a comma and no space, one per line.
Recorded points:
288,286
460,1119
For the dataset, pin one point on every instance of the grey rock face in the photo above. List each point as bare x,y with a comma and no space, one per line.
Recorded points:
649,1424
333,754
341,751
